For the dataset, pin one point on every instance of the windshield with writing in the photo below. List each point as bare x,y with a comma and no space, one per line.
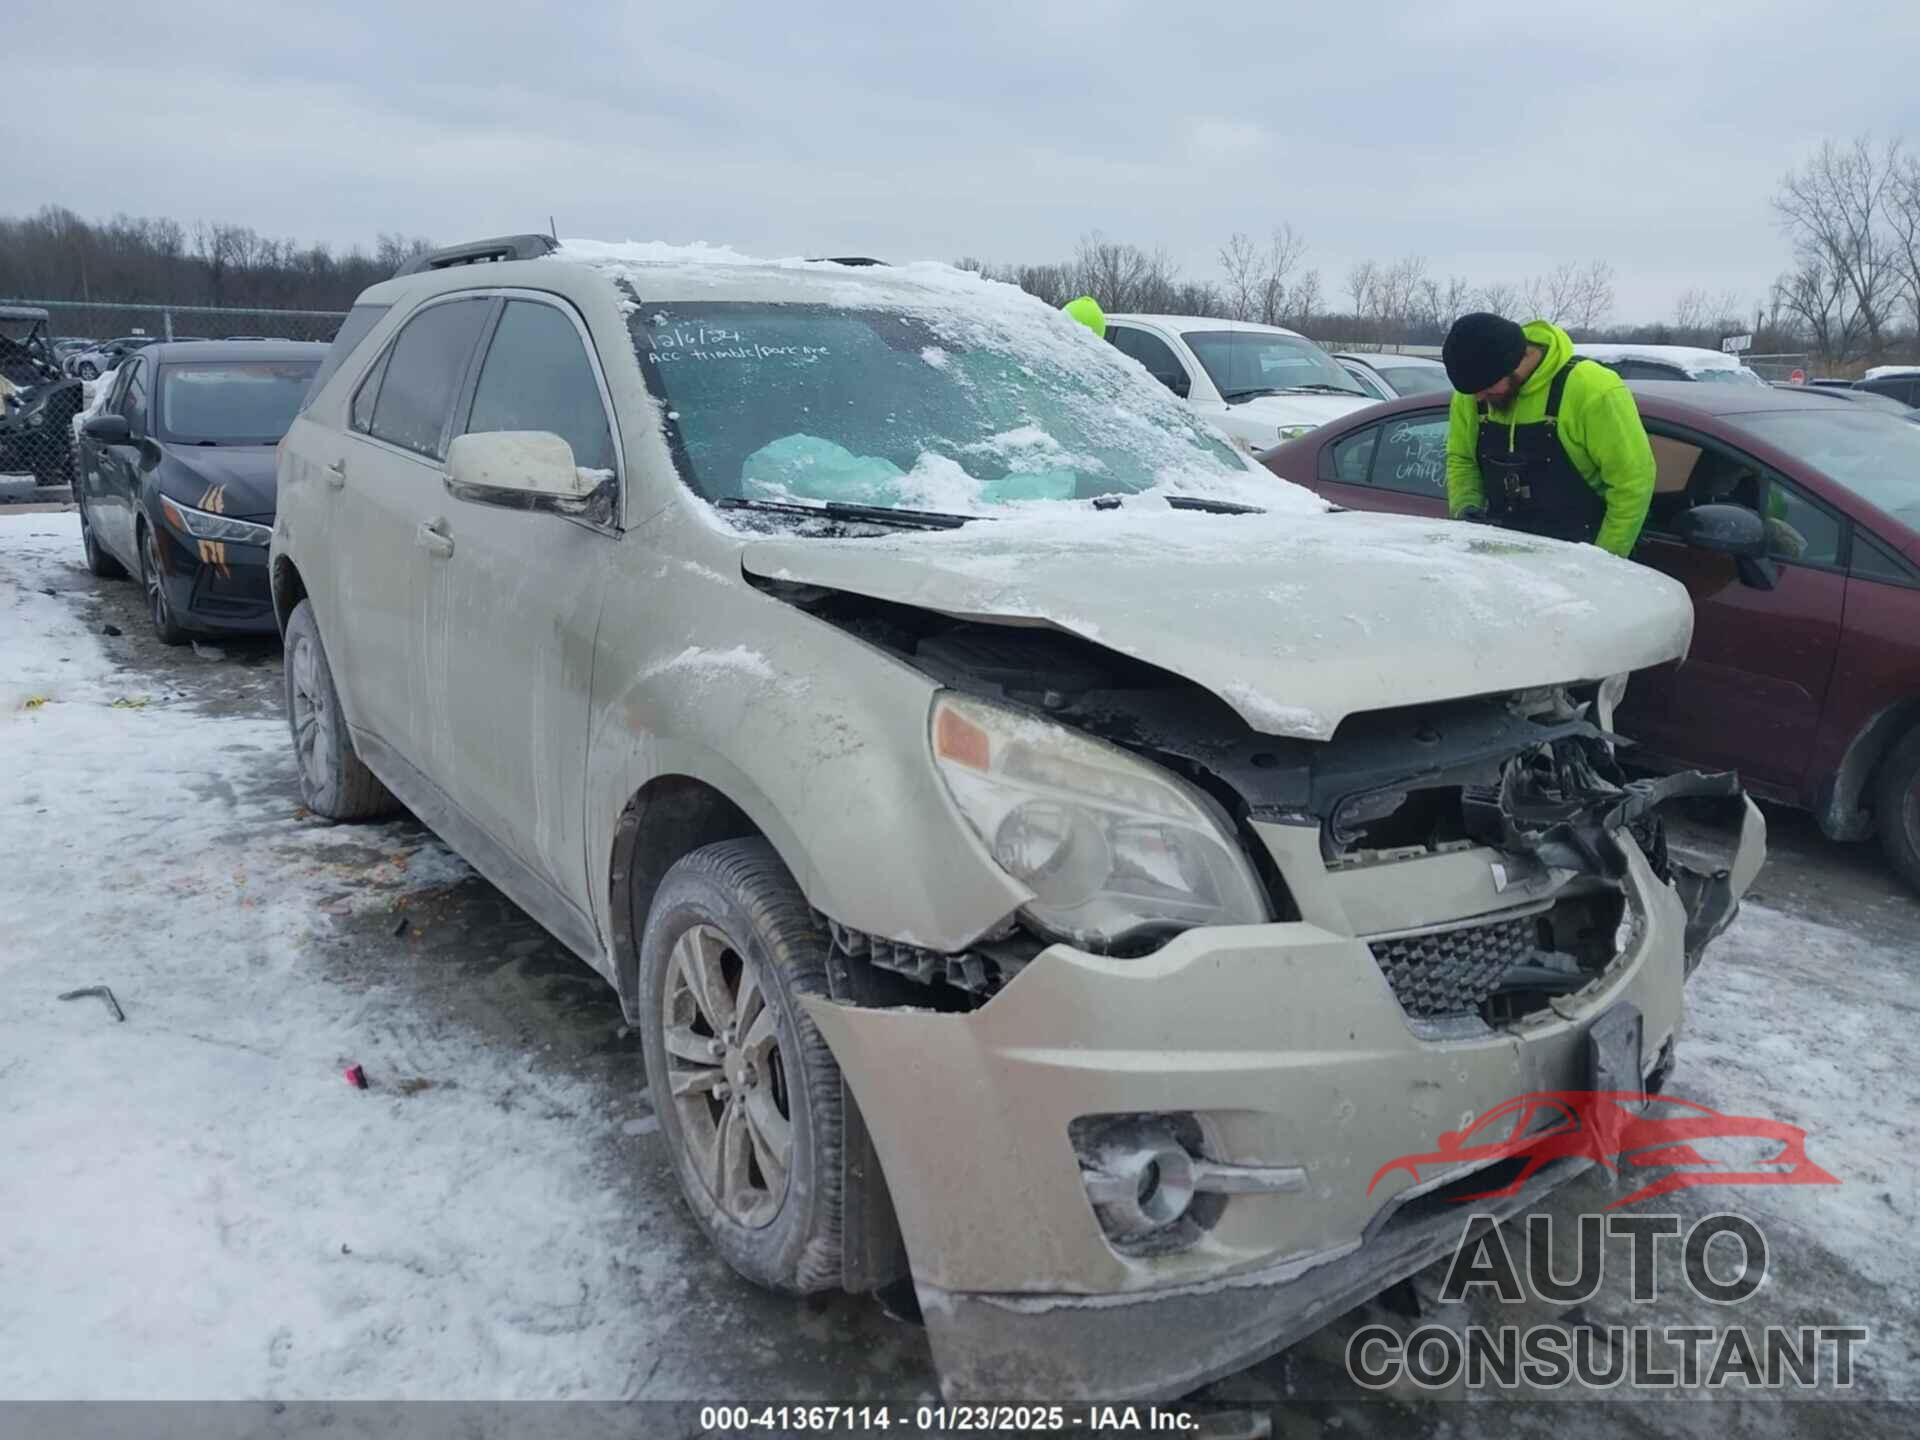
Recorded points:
1239,361
1875,455
815,403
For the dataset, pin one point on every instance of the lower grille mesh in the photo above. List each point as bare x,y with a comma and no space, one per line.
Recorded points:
1453,973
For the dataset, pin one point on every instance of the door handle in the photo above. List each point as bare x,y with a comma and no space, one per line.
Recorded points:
337,475
432,537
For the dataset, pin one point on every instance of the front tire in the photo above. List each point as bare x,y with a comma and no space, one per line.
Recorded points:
88,370
159,608
1897,807
747,1092
334,782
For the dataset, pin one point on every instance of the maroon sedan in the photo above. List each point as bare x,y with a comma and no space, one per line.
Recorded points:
1793,519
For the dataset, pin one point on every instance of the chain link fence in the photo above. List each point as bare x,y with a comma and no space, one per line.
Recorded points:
56,354
1780,367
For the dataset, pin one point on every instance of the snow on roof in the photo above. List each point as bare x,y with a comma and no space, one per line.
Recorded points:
1880,372
1208,322
1688,357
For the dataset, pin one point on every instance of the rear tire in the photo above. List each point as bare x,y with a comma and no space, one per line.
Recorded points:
729,948
88,370
99,562
1897,807
333,781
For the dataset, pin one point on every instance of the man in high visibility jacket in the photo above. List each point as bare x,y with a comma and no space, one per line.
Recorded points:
1540,441
1088,312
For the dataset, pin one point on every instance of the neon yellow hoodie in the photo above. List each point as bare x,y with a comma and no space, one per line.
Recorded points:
1599,428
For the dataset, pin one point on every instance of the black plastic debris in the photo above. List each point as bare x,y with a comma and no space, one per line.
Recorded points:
104,993
110,630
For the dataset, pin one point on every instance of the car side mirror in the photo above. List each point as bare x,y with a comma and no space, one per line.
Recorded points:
1724,529
535,464
1178,384
109,430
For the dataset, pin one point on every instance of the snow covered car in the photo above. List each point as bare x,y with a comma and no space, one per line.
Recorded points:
177,478
1260,384
1671,362
37,403
1897,382
1046,859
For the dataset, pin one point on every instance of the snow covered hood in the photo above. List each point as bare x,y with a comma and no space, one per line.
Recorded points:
1295,620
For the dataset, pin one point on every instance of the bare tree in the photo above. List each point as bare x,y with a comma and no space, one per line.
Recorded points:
1286,248
1825,304
1838,212
1903,216
1690,312
1121,276
1304,302
1503,299
1245,276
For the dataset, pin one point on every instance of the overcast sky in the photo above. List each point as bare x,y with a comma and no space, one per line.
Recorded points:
1496,139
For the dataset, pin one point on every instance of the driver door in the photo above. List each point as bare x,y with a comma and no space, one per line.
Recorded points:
1749,695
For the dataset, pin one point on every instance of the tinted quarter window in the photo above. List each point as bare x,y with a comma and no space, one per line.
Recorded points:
1874,561
423,374
1349,459
133,402
537,377
1413,456
353,330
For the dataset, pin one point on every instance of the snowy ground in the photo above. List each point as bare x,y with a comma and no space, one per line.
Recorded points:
195,1204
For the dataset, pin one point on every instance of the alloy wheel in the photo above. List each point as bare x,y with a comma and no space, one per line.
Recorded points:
312,718
728,1076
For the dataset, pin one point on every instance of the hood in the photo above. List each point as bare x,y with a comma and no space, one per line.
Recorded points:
1296,621
1280,410
236,480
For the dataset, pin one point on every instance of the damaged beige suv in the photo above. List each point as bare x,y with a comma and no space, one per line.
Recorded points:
1047,859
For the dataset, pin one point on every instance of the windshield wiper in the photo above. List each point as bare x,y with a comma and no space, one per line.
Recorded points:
841,510
1321,388
1234,397
1187,502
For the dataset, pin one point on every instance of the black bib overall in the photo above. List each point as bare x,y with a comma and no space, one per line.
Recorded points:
1530,483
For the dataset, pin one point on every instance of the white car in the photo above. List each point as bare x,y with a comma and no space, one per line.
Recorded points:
1259,384
1388,375
1671,362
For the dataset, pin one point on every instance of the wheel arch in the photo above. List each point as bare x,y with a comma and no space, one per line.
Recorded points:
1841,800
289,589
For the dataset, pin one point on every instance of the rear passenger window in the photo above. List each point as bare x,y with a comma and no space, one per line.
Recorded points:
423,373
1413,457
537,377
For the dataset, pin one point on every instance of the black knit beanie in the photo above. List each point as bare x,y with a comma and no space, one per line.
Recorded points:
1481,350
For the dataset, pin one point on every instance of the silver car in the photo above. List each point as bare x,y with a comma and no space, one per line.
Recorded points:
1048,861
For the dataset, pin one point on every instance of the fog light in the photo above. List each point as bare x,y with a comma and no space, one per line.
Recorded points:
1140,1180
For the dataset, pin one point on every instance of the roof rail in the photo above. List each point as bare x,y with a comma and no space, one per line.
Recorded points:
481,252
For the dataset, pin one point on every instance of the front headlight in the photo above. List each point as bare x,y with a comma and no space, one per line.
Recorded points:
1294,432
1110,846
204,525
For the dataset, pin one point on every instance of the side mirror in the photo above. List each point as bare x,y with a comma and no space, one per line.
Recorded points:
108,430
1724,529
534,463
1178,384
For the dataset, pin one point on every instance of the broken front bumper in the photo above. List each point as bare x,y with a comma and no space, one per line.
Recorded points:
1286,1046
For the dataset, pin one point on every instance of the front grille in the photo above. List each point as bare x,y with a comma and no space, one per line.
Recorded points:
1454,972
